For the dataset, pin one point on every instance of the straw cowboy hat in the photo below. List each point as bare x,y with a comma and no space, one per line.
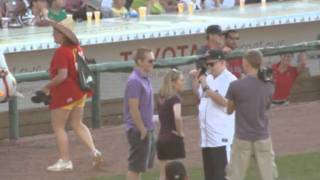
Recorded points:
66,28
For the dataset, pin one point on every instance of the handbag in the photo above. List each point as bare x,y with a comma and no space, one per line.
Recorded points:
85,75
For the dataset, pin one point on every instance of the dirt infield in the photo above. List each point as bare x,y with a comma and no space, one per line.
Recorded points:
295,129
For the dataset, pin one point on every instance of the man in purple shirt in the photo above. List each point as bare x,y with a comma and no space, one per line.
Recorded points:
138,113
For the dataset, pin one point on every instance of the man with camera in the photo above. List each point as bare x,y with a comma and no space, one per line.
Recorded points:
251,98
217,127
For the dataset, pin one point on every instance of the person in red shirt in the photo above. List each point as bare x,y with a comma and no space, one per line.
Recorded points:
67,99
233,65
284,75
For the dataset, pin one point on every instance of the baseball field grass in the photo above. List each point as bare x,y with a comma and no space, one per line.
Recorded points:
290,167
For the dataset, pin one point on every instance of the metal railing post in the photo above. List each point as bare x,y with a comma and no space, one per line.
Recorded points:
14,131
96,103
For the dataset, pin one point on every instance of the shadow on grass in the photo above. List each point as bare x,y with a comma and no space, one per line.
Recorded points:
292,167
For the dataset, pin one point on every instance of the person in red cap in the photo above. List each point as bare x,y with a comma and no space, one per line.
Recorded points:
67,98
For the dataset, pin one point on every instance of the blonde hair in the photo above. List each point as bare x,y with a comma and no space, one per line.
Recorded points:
167,89
254,58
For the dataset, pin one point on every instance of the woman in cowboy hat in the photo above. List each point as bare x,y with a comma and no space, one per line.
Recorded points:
67,99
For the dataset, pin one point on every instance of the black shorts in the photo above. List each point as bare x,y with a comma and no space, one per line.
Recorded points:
171,149
141,152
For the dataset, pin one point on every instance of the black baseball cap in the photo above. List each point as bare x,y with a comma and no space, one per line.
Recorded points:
175,171
214,29
214,54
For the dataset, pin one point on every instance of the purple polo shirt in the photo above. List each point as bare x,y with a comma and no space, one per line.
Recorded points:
138,86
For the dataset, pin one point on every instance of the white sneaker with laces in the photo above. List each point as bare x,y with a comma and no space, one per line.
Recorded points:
96,158
61,165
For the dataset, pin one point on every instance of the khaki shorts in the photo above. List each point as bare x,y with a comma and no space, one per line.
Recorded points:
76,104
241,154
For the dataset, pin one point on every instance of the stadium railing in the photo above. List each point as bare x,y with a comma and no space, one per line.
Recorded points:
120,66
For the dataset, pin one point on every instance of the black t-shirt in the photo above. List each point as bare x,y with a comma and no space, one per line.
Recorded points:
166,116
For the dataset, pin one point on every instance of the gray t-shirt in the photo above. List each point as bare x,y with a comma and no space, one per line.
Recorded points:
252,98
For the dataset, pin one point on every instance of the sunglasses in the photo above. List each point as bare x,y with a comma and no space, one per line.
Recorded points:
151,61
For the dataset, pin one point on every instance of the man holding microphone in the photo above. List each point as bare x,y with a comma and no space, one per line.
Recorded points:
217,127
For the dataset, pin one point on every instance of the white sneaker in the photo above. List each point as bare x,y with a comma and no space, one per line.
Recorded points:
96,158
61,165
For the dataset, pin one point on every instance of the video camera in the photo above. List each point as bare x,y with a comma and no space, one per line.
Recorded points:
265,74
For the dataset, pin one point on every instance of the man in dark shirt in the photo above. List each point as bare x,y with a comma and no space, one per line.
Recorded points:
251,98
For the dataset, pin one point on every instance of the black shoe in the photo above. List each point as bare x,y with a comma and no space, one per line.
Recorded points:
40,97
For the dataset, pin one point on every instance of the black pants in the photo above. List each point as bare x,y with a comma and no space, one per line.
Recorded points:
214,163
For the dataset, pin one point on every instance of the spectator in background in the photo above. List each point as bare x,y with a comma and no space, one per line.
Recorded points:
118,8
215,39
212,4
138,114
40,11
234,65
14,8
93,5
175,170
170,145
72,6
56,10
284,75
106,6
153,6
170,6
77,8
